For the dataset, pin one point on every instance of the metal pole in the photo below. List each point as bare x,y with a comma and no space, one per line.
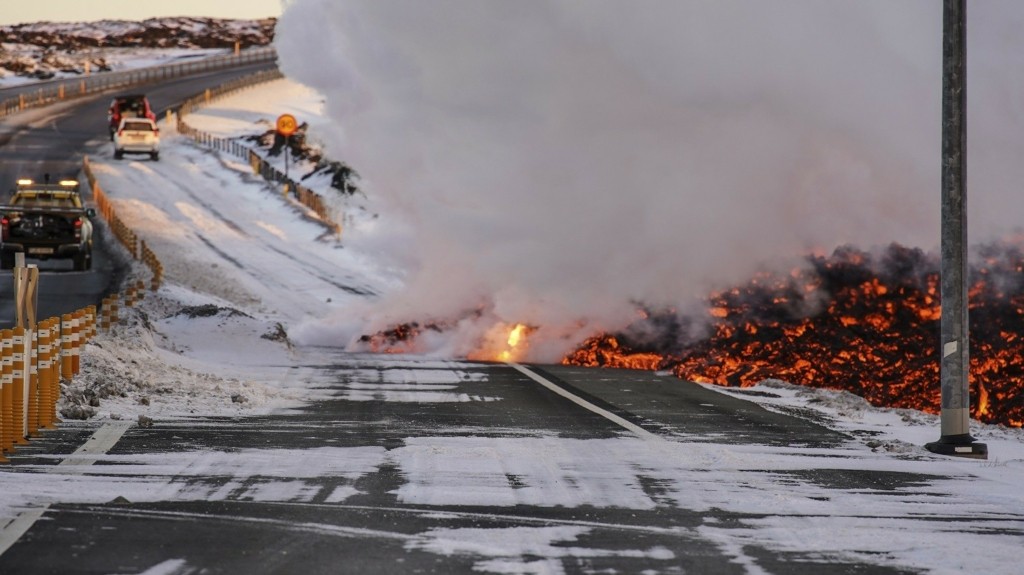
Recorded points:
955,360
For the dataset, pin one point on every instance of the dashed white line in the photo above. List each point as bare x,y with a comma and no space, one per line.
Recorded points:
639,431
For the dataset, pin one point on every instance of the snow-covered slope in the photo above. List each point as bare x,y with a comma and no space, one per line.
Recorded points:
43,50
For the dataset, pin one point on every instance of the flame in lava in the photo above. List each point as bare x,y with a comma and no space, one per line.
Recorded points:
847,322
503,342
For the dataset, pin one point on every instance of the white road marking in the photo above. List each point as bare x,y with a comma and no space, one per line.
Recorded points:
639,431
99,443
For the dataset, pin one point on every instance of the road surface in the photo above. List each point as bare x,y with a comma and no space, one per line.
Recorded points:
370,480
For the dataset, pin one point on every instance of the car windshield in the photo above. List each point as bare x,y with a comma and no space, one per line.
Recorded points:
138,126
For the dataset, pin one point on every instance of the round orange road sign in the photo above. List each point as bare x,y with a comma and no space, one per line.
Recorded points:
286,125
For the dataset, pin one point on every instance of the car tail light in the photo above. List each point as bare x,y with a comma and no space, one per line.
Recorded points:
78,229
4,225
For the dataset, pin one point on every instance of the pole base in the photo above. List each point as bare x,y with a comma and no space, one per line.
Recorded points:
958,446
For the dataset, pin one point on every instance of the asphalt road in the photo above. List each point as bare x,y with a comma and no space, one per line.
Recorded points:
52,141
245,498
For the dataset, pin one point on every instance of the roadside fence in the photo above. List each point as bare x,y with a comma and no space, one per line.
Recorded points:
136,247
305,196
48,92
37,357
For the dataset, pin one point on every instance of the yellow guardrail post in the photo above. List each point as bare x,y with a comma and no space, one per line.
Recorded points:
19,392
105,314
54,372
32,415
92,321
38,414
47,395
7,388
65,347
76,342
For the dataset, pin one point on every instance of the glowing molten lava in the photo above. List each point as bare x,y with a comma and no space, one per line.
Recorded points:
503,343
847,322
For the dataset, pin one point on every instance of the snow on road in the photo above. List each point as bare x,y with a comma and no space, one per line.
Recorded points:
244,264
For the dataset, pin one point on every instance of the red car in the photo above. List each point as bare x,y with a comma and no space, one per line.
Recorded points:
128,106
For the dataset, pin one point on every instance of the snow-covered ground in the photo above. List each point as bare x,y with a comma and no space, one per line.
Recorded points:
244,266
230,244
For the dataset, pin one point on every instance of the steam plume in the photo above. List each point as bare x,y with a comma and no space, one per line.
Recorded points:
556,162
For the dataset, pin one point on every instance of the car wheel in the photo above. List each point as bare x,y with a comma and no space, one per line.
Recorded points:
155,156
6,260
118,154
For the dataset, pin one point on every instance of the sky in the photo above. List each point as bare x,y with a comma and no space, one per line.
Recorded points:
566,160
91,10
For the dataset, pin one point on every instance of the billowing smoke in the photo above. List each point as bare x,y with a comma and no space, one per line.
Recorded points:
555,162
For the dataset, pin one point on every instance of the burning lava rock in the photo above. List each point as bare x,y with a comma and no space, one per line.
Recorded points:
393,340
851,321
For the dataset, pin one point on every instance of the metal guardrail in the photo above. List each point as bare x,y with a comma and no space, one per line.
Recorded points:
53,91
303,195
37,358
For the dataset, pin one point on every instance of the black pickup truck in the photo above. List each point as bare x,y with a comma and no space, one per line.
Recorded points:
46,221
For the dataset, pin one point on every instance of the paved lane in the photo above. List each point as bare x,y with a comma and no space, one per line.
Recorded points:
405,465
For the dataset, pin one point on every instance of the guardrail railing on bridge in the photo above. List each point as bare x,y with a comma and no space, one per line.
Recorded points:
53,91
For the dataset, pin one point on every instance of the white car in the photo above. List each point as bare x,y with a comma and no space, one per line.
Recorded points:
137,136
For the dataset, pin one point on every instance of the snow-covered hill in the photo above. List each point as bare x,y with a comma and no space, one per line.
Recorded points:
44,50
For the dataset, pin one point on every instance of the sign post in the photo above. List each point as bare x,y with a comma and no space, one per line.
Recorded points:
286,126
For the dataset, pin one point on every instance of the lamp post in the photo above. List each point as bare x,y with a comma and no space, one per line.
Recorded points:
955,436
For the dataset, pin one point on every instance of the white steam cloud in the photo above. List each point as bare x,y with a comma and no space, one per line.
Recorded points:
558,160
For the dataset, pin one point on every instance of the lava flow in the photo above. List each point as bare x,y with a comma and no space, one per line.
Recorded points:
851,321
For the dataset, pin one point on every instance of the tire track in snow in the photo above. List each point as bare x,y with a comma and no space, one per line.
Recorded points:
306,263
